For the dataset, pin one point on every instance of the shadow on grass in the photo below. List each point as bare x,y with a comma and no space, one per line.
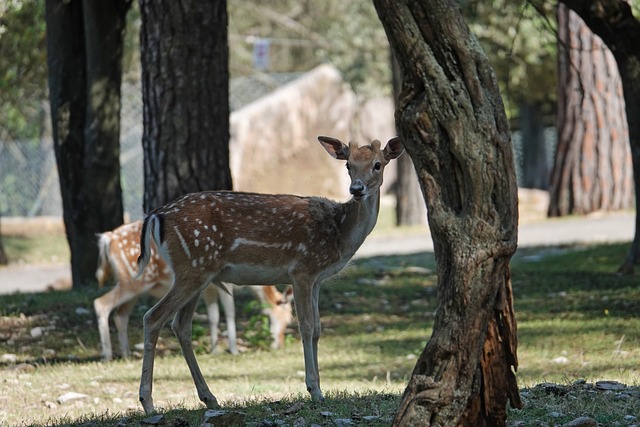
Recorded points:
372,409
374,296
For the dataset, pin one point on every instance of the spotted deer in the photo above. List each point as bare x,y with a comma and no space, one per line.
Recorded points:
249,239
119,250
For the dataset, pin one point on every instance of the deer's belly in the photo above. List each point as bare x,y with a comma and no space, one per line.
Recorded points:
247,274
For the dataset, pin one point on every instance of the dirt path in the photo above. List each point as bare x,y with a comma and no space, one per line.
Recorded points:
593,229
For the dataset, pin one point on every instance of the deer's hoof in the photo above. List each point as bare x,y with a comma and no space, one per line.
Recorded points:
316,395
210,402
147,405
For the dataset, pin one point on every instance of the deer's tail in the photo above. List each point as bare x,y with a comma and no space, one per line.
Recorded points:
151,229
104,270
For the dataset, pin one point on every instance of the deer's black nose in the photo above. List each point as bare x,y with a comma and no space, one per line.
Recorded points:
356,188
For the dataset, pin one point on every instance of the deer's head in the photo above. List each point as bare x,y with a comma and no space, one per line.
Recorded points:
365,164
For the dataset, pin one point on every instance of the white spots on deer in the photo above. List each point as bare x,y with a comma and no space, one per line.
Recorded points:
185,247
196,242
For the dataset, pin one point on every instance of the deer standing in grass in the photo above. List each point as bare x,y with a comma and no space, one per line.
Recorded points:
119,250
249,239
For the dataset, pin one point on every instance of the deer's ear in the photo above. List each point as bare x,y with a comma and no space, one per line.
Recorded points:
334,147
393,150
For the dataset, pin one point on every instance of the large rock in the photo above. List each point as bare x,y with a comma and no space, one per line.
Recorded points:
274,144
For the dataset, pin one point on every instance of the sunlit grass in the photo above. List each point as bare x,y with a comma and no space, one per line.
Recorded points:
576,320
48,248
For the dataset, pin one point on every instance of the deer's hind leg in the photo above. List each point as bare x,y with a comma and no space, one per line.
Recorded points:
181,326
181,294
121,319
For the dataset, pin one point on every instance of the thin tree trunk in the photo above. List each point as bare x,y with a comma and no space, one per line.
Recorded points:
84,51
592,169
4,260
453,124
535,168
185,90
410,206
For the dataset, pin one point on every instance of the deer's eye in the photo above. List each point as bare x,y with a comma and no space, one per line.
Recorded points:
377,166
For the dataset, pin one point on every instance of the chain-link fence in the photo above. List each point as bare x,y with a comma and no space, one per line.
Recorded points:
29,183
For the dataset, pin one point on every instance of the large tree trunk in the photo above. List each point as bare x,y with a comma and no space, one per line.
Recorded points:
185,90
84,51
613,21
592,169
452,122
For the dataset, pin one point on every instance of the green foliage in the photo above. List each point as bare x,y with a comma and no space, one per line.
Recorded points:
520,46
23,68
346,34
257,332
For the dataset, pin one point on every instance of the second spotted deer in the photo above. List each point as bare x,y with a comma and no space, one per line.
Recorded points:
250,239
119,251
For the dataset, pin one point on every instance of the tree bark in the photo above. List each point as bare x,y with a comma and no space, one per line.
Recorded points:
614,23
84,51
185,91
592,169
452,122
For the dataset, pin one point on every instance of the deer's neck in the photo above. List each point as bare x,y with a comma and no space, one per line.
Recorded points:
356,220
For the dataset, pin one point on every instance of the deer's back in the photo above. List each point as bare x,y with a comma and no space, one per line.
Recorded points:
250,238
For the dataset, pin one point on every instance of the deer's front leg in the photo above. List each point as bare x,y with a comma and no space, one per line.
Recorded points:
303,296
317,327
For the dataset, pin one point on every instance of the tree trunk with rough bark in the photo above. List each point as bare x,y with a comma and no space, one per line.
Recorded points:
592,169
452,122
613,21
185,91
84,56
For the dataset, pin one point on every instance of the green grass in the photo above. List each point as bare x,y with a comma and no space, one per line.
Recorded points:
576,320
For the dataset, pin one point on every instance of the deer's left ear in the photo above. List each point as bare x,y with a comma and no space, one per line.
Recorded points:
334,147
393,150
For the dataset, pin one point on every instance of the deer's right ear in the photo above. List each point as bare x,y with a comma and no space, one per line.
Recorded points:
334,147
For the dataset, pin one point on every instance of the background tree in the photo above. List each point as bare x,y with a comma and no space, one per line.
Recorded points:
23,74
592,169
410,206
185,91
613,21
452,121
4,260
84,56
522,52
